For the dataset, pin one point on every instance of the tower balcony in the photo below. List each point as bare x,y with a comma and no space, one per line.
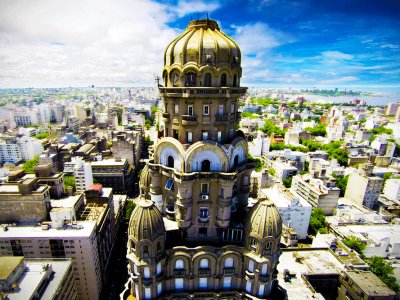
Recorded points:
197,92
189,120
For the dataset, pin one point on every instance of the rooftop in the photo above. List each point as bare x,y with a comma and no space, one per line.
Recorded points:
109,162
370,283
8,265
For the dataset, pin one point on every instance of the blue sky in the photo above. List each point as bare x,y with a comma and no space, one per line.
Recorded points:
337,43
353,43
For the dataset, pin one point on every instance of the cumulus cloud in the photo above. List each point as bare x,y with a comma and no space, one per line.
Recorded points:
186,7
79,43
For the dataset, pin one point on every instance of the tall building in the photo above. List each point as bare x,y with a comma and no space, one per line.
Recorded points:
191,233
392,189
392,108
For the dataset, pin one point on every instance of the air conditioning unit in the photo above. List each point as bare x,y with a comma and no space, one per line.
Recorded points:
204,197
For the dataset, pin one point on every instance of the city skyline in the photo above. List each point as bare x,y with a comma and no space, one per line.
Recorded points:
284,43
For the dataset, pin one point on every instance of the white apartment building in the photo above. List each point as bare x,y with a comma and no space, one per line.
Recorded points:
82,171
259,146
294,210
363,189
76,241
30,147
25,116
9,152
320,193
392,189
283,169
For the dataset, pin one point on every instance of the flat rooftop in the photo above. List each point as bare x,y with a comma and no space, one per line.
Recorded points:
109,162
8,265
69,201
37,232
370,283
283,197
310,262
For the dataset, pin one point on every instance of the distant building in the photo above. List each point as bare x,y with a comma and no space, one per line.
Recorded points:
82,171
319,192
392,108
363,188
392,189
50,279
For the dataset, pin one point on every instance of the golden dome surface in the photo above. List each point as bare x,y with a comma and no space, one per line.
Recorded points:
201,44
146,221
264,220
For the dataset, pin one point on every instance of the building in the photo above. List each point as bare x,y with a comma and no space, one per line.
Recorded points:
76,241
392,108
191,233
283,168
115,173
319,192
22,278
294,210
368,187
82,171
392,189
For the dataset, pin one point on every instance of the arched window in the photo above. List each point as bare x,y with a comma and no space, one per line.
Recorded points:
223,79
159,248
228,262
205,165
207,79
190,79
145,251
204,263
251,266
235,80
179,265
253,244
146,273
170,162
236,161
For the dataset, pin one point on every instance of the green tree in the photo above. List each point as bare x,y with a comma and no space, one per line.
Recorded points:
43,135
287,182
270,127
354,243
341,183
70,181
130,206
384,270
381,130
317,221
29,165
319,130
272,171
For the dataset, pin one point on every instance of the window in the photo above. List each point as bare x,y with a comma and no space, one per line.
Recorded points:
176,108
221,192
159,288
205,135
227,282
203,213
221,110
204,263
170,207
206,110
170,161
190,79
253,244
228,262
203,283
232,108
219,136
207,79
179,264
261,290
189,136
190,110
147,293
158,268
203,232
175,134
204,188
251,266
223,79
145,251
235,80
205,165
248,287
170,184
264,269
178,284
146,273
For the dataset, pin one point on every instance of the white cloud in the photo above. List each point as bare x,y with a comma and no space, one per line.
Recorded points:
336,55
343,79
193,6
79,43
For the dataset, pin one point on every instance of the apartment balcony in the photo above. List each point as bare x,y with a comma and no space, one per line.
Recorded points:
197,92
179,272
221,119
229,271
166,117
189,120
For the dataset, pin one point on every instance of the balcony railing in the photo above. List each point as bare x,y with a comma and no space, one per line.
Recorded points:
204,219
221,119
179,272
263,278
206,271
229,271
189,120
202,91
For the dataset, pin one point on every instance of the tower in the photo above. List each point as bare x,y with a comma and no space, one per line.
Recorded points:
198,181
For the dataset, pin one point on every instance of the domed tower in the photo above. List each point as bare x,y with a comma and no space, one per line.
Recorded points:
263,234
146,250
199,172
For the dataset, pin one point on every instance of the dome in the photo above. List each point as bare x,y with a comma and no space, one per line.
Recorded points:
264,220
202,45
146,222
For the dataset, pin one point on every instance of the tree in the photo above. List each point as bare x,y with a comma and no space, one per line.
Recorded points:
272,171
43,135
381,130
130,206
70,181
319,130
317,221
341,183
29,165
384,270
270,127
287,182
354,243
